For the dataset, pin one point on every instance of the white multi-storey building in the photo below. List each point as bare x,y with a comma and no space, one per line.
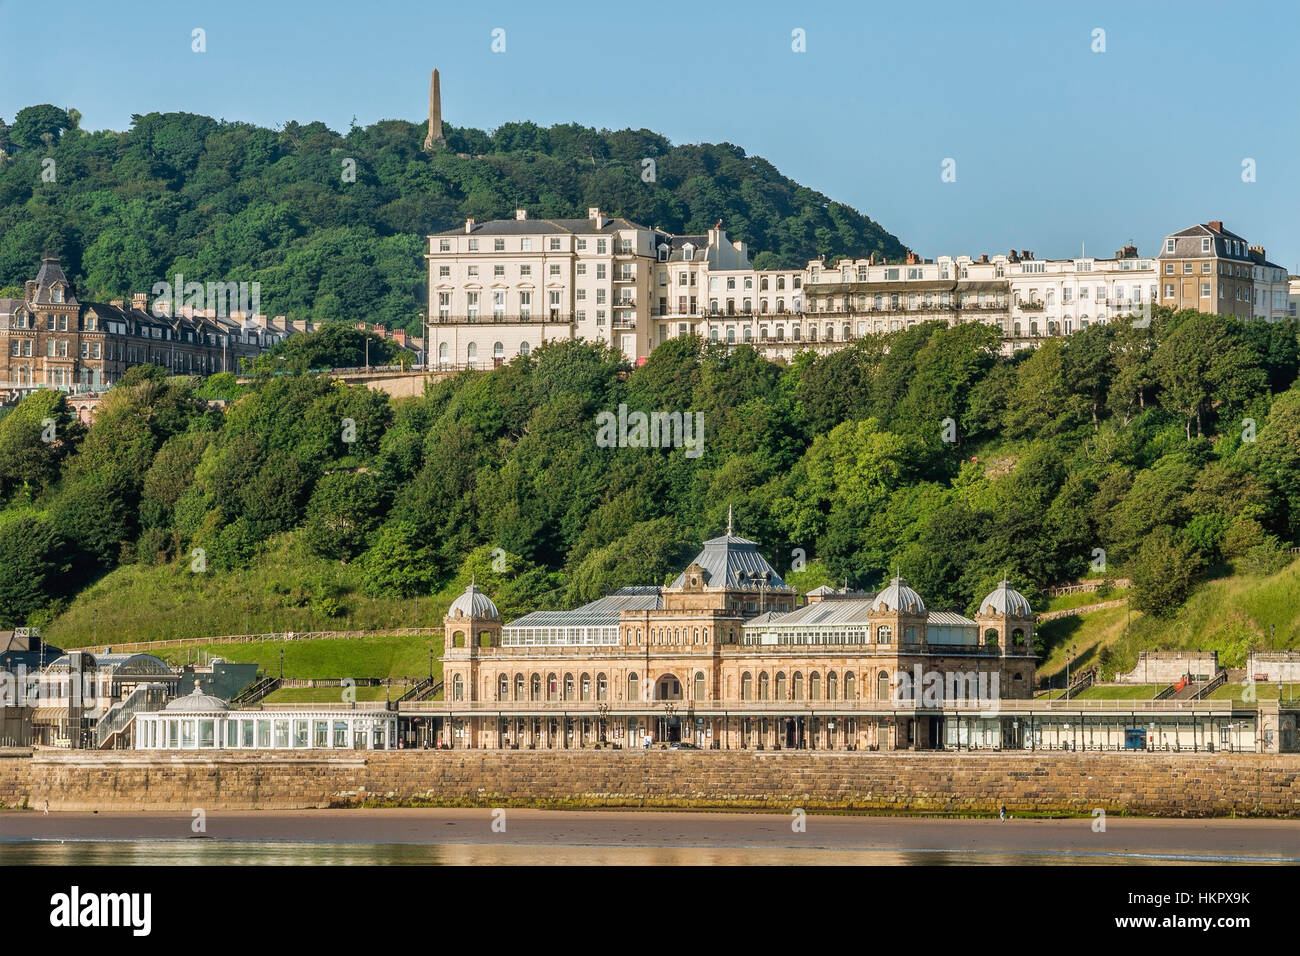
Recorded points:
499,289
1059,296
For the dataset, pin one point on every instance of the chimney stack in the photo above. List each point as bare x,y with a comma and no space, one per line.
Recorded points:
984,258
521,215
469,225
140,300
596,216
911,258
1216,225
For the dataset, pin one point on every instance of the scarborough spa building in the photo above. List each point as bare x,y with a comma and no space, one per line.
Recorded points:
724,657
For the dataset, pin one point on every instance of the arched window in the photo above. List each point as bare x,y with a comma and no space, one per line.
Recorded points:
444,352
814,686
552,687
780,686
498,350
762,686
850,692
731,336
458,639
602,687
457,688
796,686
633,687
568,687
1018,636
537,687
882,686
884,634
503,688
584,687
519,687
525,348
990,636
749,334
746,684
471,353
699,685
832,686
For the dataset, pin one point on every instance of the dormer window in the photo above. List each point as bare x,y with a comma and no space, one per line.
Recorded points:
1169,246
56,294
663,252
688,252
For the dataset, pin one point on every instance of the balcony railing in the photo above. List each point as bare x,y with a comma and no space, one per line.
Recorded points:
490,318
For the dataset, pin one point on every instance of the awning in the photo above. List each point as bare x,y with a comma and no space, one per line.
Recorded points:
49,714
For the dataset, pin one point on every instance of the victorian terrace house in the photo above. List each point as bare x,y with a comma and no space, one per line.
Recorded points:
50,339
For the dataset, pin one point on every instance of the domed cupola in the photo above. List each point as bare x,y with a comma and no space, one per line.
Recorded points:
474,603
197,702
898,598
1007,601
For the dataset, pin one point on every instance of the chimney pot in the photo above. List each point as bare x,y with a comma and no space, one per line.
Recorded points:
469,225
1216,225
521,214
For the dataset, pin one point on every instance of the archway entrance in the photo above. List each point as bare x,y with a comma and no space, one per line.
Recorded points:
668,688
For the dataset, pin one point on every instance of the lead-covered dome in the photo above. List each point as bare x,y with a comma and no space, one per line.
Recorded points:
474,603
196,702
1006,600
898,597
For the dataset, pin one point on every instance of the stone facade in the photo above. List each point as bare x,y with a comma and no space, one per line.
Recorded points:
49,339
1168,667
1148,784
722,658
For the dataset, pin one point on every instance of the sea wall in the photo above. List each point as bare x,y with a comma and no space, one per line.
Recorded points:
1149,784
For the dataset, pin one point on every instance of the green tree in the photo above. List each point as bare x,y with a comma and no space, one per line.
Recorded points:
1163,572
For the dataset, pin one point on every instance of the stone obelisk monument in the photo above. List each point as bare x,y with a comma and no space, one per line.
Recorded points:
434,139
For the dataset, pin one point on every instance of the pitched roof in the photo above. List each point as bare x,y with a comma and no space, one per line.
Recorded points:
734,562
51,273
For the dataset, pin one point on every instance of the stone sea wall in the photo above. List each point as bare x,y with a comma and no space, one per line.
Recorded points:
1146,784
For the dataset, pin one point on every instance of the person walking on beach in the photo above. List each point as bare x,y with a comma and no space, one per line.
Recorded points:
47,807
1002,813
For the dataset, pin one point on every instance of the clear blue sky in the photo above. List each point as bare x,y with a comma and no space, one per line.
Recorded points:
1055,146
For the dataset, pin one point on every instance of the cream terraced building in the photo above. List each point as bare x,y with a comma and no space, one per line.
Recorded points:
500,289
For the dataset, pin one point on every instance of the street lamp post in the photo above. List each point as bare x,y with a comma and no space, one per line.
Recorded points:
603,709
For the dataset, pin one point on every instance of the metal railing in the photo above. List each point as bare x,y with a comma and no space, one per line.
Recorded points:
424,689
491,318
836,708
255,692
1211,686
120,715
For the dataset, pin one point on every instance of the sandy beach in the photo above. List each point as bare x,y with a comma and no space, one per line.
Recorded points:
1164,839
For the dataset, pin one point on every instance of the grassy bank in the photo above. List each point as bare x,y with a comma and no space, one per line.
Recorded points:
345,657
285,589
1233,615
